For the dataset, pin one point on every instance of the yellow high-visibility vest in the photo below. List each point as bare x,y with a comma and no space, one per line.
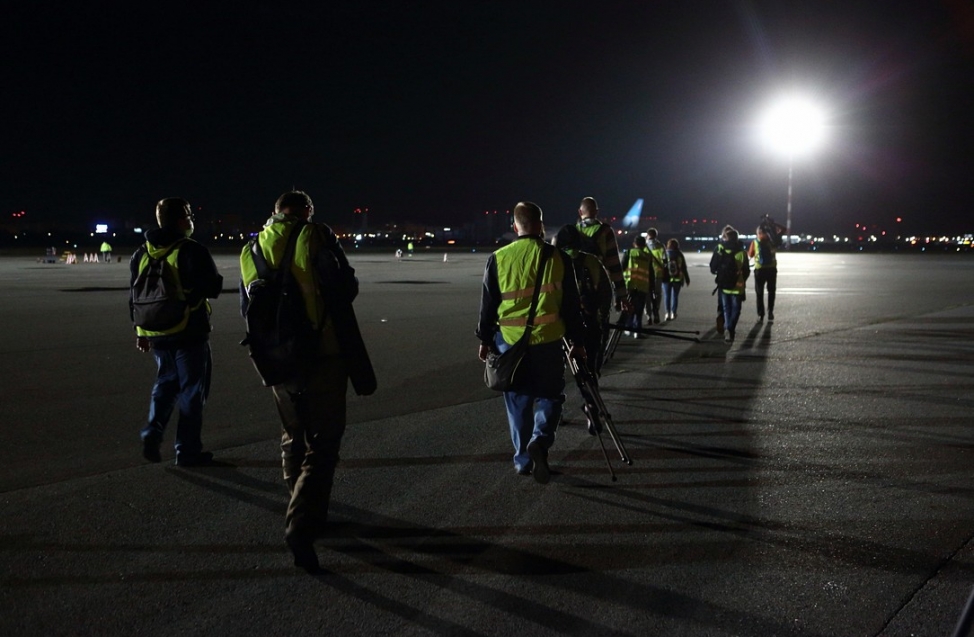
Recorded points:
638,263
517,266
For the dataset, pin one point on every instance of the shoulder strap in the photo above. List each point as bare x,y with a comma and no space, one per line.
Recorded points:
545,253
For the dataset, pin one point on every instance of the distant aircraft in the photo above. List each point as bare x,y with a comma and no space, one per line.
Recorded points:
631,220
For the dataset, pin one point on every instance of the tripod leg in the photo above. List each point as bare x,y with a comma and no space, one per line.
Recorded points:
610,347
589,390
594,426
614,336
611,428
606,419
605,455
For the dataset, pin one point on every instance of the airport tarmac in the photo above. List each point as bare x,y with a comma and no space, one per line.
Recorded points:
814,478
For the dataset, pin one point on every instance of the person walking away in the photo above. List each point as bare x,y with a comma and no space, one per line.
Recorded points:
730,265
106,252
599,239
182,353
765,271
534,403
675,275
638,274
595,294
656,250
312,405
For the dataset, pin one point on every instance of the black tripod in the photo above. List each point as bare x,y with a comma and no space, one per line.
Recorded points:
614,335
595,409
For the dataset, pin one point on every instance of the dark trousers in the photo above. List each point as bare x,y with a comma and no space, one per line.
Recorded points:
183,379
638,300
765,277
312,423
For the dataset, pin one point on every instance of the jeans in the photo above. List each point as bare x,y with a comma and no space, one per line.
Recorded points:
534,406
762,277
731,304
183,379
671,293
312,426
656,295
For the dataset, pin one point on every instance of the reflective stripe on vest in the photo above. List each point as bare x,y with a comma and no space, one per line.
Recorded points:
517,266
637,269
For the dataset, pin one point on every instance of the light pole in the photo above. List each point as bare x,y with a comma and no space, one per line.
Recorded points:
792,126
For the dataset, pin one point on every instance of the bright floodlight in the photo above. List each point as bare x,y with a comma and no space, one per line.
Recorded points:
792,126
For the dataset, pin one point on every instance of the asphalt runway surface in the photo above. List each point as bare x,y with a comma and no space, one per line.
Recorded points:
814,478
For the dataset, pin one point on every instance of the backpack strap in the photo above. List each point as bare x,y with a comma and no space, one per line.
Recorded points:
546,251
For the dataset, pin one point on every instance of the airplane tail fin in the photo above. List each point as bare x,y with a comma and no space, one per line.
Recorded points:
631,220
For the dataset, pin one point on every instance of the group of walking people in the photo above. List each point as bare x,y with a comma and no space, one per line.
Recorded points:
730,264
570,314
655,273
563,293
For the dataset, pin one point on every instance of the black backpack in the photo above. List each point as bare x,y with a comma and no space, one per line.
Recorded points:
590,243
764,254
673,268
280,336
158,300
727,271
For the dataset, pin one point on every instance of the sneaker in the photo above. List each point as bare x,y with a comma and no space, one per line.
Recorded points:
200,459
656,320
539,455
150,449
524,471
770,316
720,324
760,316
729,338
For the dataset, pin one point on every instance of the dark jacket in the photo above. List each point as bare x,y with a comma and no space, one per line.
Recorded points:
199,278
332,279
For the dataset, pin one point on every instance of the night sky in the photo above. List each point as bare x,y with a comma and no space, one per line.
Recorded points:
436,111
